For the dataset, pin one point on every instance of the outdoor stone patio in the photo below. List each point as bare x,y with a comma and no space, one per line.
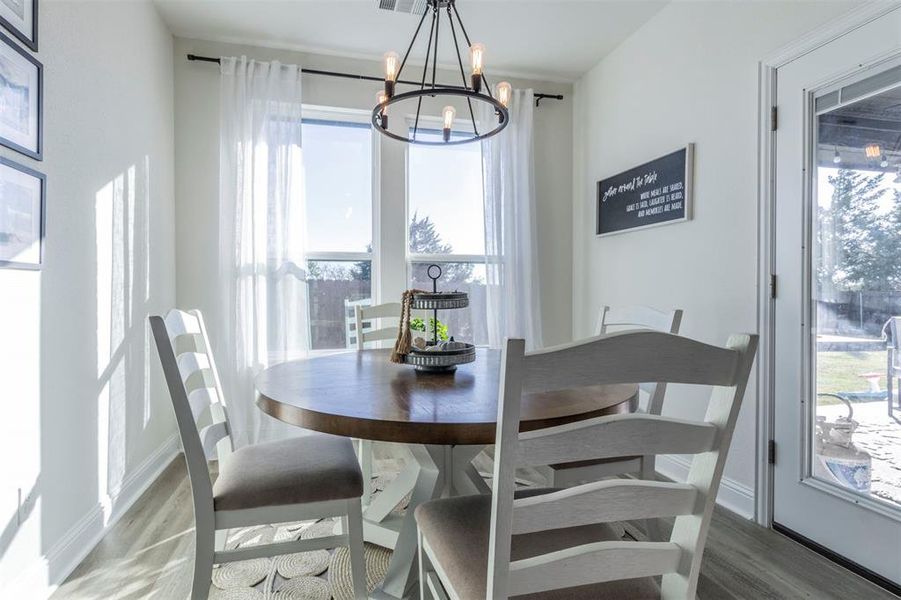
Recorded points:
880,436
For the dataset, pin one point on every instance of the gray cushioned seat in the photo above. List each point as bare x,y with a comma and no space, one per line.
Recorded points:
311,468
457,531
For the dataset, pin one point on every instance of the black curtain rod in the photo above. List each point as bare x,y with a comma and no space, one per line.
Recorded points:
538,97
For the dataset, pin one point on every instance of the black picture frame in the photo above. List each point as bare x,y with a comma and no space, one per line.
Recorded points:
42,220
658,192
38,152
22,36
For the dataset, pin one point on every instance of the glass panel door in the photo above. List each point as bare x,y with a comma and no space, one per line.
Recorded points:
837,257
856,289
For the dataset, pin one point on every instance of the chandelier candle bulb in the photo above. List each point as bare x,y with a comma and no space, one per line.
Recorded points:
504,93
477,57
872,151
392,64
449,113
380,99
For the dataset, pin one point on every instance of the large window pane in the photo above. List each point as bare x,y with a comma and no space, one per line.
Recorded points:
856,291
445,198
338,185
465,324
334,287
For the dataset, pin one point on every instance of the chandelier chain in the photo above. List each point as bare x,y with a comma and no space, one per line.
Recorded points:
435,54
472,115
425,71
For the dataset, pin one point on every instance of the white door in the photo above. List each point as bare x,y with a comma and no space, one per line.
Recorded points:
837,479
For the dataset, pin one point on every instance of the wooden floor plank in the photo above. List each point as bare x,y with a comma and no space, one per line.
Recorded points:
148,554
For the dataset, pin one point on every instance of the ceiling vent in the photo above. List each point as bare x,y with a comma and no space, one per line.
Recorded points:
408,7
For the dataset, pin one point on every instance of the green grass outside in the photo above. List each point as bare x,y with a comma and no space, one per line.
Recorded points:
839,372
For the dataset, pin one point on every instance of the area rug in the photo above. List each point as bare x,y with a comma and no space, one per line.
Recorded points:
314,575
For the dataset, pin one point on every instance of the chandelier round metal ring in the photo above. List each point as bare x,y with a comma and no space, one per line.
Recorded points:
471,89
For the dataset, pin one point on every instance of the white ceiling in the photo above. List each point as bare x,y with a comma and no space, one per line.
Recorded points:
556,40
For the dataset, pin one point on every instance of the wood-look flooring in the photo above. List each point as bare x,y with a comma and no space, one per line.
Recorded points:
149,554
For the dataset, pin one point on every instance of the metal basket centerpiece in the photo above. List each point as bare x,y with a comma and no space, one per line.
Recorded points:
438,355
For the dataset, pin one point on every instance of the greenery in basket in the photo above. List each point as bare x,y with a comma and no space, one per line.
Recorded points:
418,324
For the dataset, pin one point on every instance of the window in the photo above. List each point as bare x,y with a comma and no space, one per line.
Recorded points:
338,167
447,227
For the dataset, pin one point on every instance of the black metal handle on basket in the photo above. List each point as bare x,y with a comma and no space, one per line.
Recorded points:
434,279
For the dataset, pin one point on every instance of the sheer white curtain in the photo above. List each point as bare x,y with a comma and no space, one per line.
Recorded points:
511,243
262,267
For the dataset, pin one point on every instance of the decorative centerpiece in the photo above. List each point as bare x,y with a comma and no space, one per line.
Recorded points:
436,354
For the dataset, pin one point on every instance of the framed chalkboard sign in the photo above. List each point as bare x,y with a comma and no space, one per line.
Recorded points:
655,193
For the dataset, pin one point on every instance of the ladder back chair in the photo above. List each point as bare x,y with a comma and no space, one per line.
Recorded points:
363,315
555,543
611,320
315,476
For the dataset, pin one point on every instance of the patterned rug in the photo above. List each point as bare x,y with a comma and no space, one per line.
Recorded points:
314,575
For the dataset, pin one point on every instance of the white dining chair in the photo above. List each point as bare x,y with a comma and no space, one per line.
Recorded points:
611,320
893,368
364,317
311,477
557,543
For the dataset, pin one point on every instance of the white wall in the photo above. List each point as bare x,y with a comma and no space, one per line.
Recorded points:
688,75
197,159
84,419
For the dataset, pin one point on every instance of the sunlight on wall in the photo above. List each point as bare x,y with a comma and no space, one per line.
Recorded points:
104,215
123,338
145,204
20,468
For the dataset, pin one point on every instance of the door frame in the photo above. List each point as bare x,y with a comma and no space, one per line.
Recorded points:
767,280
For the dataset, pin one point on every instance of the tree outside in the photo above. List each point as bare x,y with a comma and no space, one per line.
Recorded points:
860,241
425,239
858,260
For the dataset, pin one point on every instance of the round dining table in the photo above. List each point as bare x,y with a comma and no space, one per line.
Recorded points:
440,420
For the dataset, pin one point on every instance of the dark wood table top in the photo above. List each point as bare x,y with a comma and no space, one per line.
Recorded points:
363,395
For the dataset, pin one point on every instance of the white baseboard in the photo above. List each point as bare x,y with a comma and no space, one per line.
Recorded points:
72,548
733,496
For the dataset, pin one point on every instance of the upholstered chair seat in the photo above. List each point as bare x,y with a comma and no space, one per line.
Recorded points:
457,531
311,468
299,479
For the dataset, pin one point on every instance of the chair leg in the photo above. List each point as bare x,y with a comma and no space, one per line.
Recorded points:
424,593
203,566
888,383
355,546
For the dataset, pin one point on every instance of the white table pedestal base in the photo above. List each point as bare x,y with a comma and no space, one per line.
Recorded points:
430,472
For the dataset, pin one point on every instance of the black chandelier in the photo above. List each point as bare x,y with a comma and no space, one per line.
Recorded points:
471,89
